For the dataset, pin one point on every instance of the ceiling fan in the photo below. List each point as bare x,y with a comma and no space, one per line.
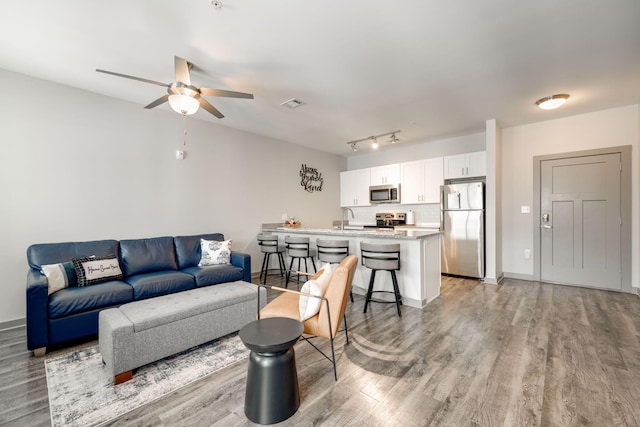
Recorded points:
182,96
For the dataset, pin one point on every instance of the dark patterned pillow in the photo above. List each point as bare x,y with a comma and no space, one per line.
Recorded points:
214,252
92,270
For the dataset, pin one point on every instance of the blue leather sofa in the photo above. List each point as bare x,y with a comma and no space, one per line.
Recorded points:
151,267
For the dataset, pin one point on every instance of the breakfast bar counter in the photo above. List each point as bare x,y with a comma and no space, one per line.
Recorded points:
419,274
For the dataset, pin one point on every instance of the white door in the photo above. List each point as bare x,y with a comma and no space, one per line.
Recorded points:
580,231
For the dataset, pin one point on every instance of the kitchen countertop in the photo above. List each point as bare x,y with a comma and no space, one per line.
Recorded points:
360,232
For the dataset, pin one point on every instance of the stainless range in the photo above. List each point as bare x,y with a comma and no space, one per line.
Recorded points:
390,220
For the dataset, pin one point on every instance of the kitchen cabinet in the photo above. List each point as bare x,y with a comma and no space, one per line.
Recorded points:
421,181
387,174
354,188
465,165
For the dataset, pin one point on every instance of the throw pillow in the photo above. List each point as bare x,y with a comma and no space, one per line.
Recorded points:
310,306
214,252
59,276
92,270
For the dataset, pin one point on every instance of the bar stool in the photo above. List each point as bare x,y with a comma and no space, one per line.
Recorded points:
298,248
382,257
269,246
333,252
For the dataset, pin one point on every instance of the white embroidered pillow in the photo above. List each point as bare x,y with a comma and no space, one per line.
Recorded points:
310,306
214,252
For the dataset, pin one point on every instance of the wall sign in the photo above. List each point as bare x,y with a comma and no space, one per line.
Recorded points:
310,179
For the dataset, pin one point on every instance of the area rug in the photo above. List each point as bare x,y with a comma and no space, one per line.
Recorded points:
81,392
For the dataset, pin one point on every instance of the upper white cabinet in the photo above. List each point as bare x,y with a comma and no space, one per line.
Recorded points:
387,174
354,188
421,181
465,165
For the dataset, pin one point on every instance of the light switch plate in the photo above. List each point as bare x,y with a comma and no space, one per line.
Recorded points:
525,209
179,155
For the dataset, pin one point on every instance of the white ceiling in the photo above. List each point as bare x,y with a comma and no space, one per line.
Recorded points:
432,68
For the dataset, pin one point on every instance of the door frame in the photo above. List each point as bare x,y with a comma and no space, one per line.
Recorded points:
625,207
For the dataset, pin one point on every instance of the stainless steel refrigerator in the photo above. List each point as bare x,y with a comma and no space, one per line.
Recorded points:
462,224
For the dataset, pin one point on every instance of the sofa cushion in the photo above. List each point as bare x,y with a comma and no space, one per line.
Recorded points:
74,300
159,283
146,255
53,253
214,274
188,248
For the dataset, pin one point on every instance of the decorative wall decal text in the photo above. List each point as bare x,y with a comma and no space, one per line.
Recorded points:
310,179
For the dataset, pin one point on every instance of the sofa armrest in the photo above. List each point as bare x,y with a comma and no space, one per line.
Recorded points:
243,261
37,294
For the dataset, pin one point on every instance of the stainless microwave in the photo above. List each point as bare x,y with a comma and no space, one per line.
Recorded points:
384,194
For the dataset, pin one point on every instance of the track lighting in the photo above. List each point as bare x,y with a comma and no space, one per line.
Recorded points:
374,140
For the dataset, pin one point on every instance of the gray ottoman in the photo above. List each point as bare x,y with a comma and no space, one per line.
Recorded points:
142,332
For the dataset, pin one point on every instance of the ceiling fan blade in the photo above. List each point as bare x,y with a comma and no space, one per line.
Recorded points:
182,70
140,79
158,101
228,93
210,108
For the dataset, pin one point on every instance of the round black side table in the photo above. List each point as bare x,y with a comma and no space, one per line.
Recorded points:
272,393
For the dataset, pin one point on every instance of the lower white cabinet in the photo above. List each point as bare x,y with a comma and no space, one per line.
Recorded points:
421,181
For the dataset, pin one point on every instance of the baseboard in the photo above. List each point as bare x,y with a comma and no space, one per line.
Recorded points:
492,281
527,277
12,324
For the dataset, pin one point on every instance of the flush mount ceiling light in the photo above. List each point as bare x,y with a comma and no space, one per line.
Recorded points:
374,140
552,102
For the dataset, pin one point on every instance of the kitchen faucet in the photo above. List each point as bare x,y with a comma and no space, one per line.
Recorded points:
342,218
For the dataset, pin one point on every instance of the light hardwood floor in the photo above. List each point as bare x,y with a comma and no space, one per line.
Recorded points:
518,354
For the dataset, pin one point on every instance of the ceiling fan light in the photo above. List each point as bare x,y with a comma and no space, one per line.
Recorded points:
183,104
552,102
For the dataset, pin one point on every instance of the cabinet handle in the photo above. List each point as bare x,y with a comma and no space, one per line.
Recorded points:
467,171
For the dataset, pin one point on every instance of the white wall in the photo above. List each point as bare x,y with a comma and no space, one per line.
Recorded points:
405,153
608,128
493,218
80,166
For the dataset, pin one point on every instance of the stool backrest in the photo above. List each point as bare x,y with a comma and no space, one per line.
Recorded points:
332,251
380,256
268,243
297,246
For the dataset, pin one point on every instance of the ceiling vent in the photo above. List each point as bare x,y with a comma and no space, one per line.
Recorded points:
292,103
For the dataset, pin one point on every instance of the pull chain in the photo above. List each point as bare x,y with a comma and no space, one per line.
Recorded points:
184,132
